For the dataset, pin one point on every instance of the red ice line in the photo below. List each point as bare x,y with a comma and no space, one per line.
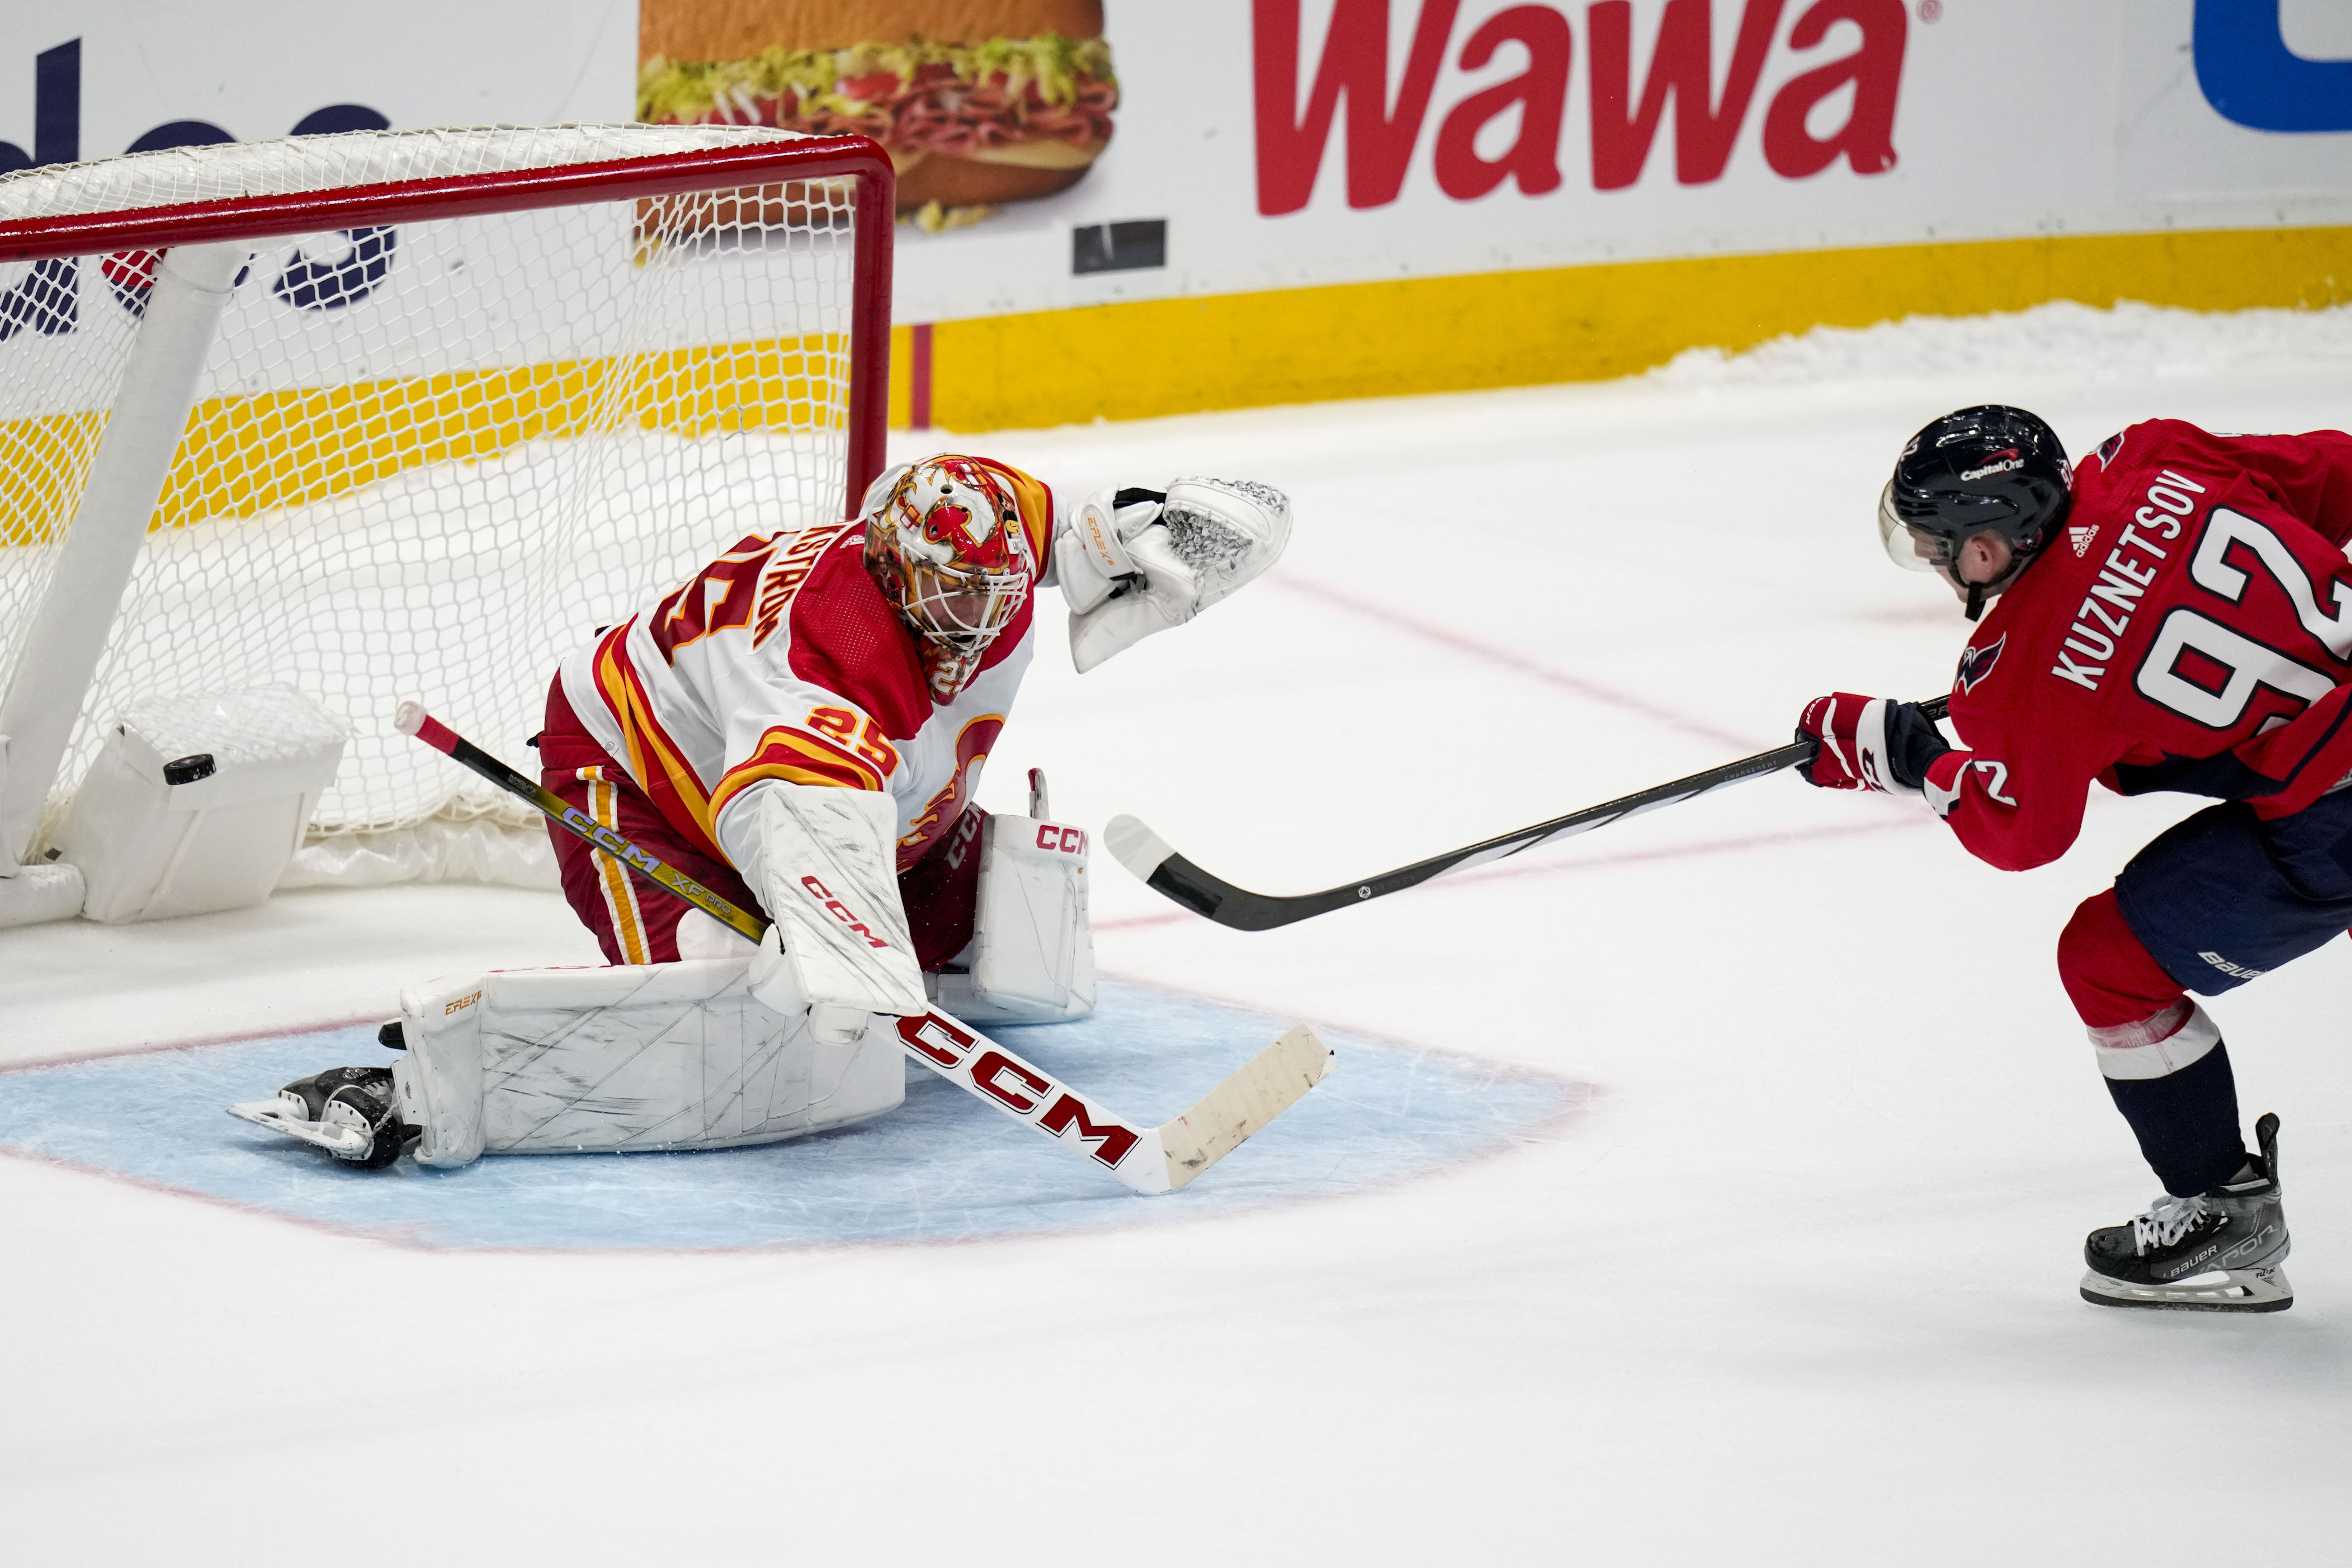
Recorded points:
1592,691
1509,869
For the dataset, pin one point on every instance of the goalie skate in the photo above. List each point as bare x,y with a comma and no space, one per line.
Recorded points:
351,1112
2217,1252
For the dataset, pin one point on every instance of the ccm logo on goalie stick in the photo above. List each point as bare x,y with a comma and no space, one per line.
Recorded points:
840,911
1068,840
1017,1087
607,840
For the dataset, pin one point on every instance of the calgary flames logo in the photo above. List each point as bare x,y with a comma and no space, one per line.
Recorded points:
958,511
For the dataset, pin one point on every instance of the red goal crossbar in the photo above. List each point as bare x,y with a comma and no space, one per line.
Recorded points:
856,159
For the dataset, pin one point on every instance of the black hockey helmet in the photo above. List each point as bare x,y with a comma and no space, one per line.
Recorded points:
1991,468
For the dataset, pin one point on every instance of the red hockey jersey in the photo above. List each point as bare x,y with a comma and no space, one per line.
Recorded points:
2189,629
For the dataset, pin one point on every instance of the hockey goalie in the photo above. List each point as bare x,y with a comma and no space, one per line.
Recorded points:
801,727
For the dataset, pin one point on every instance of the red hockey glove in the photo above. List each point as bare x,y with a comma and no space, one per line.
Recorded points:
1868,743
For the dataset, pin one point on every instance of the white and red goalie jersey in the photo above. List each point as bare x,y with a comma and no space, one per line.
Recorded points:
783,661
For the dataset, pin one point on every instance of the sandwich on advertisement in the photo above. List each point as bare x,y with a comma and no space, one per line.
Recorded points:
978,102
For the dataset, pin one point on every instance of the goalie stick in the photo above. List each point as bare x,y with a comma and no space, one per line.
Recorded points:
1148,856
1151,1159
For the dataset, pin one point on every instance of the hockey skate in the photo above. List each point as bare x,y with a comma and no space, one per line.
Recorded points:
2217,1252
351,1112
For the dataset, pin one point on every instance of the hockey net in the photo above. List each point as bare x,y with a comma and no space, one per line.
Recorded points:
475,395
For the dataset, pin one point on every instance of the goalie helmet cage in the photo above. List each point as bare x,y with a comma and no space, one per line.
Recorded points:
389,414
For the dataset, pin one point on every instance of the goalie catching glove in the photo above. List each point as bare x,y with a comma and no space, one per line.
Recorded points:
1134,561
1869,742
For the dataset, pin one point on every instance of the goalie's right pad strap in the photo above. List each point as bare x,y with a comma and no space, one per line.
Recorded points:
824,862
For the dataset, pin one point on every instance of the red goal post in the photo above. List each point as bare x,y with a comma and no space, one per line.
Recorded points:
450,393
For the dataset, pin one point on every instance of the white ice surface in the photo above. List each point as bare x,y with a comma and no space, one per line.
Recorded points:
1801,1290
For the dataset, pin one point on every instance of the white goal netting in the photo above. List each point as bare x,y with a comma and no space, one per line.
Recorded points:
426,459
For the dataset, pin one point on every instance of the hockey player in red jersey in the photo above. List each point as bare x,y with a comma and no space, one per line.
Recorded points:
801,727
2174,613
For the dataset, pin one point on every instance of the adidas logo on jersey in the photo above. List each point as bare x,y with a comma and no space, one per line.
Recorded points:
2082,538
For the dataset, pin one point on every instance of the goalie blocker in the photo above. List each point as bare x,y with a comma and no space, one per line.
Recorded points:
841,946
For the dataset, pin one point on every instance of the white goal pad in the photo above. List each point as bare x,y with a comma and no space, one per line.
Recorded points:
630,1058
389,413
1033,952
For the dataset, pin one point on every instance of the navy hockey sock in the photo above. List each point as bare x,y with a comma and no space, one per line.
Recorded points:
2187,1122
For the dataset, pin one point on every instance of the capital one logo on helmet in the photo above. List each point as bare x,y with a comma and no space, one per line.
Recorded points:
2001,463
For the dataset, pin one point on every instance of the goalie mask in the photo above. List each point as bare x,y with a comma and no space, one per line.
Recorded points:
956,544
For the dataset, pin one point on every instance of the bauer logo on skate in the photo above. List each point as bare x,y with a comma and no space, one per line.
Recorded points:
840,911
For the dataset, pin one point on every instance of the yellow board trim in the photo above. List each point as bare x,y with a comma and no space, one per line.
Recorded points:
1140,359
258,452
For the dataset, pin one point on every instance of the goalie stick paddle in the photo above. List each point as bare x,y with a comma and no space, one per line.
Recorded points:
1151,1159
1148,856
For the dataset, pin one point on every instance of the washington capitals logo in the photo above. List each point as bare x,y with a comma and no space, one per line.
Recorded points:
2109,448
1975,663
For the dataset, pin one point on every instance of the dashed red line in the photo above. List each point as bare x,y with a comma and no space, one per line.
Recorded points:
1591,690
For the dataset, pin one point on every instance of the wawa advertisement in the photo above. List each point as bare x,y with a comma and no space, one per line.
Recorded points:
1068,152
1062,153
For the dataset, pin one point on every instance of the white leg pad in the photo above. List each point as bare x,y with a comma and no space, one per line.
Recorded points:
1033,952
632,1057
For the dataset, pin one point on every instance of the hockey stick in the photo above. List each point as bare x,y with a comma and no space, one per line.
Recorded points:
1151,1159
410,718
1148,855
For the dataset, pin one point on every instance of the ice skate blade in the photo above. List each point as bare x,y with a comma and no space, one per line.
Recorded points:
2237,1291
341,1139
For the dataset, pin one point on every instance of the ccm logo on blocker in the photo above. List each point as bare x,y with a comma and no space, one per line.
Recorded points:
1068,840
840,911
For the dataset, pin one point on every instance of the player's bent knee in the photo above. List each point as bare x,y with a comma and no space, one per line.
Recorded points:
631,1057
2107,971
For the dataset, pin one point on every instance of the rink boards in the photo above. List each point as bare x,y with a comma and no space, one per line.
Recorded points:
941,1168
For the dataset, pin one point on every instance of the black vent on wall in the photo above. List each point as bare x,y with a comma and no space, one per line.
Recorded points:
1119,246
